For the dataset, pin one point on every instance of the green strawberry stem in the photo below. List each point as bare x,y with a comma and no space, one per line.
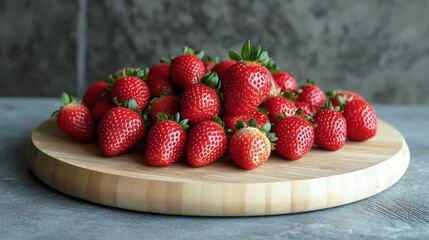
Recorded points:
127,72
219,121
65,99
214,60
263,111
288,95
310,82
251,54
332,93
130,104
175,118
272,67
211,80
166,60
188,50
265,129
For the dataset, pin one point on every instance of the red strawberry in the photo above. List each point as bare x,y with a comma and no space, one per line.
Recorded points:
250,146
208,66
168,105
187,68
258,115
312,96
274,88
361,120
284,80
166,141
210,63
120,129
221,68
331,128
158,80
340,98
100,108
94,93
307,109
75,119
279,105
128,83
207,142
295,136
246,83
200,101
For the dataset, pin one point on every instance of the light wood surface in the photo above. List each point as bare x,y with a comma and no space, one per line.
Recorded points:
319,180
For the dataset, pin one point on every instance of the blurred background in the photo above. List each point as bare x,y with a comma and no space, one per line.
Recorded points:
378,48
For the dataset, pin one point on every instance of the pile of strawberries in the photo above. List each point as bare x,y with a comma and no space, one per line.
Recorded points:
201,109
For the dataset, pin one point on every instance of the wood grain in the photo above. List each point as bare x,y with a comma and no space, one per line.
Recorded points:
319,180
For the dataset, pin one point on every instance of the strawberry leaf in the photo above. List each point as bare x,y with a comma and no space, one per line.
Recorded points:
288,95
263,110
311,82
176,117
272,67
131,104
65,98
255,52
252,123
234,56
239,125
266,127
245,51
219,121
200,54
161,117
54,114
184,124
212,80
214,60
271,136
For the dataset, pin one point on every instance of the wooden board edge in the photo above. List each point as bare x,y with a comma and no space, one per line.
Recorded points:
202,199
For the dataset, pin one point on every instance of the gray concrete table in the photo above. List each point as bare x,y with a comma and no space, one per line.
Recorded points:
31,210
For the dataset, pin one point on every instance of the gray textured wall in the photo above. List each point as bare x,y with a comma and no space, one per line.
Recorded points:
377,48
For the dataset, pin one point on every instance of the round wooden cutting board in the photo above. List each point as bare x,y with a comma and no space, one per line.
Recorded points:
321,179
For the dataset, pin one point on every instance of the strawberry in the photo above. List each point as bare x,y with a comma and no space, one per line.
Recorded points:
187,68
340,98
100,108
120,129
200,101
131,85
307,109
221,68
258,114
210,63
312,96
284,80
207,142
250,146
94,93
75,119
274,88
361,120
166,141
246,83
331,128
168,105
295,136
279,105
158,80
